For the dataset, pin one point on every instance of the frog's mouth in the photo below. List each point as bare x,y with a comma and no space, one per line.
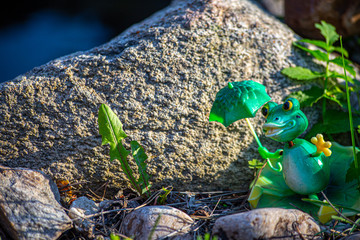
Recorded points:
274,129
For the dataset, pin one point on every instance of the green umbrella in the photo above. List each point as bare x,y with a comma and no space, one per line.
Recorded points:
239,100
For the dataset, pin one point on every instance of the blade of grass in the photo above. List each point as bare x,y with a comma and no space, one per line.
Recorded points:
350,115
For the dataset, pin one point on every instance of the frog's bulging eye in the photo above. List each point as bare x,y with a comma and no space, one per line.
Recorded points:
265,111
287,105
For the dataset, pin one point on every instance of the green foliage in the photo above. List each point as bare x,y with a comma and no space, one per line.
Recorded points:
111,129
325,85
163,195
255,164
328,31
353,172
207,236
356,164
140,158
300,73
114,237
308,97
335,122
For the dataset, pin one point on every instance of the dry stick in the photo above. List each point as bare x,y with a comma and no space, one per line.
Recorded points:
103,222
336,210
256,179
212,212
101,213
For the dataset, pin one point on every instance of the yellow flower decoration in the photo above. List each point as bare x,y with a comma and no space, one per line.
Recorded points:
321,145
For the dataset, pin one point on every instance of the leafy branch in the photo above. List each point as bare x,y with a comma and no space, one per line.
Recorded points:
111,129
328,87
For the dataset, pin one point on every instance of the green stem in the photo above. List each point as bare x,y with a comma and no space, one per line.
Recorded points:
325,85
260,145
253,132
350,114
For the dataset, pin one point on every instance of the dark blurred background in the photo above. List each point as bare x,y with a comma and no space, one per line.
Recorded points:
35,32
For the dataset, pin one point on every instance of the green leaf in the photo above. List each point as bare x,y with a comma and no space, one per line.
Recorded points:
328,31
342,76
255,164
300,73
322,203
353,173
348,67
308,97
334,122
319,55
114,237
339,50
140,158
317,43
334,98
163,196
110,127
324,46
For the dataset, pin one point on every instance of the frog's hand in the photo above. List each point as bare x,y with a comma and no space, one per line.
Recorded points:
321,145
264,153
269,155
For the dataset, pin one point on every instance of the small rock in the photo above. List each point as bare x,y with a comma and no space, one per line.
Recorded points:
355,236
81,208
173,223
267,223
29,205
275,7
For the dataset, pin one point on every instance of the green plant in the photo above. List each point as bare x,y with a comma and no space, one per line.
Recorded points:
114,236
327,86
110,127
255,164
163,196
356,164
207,236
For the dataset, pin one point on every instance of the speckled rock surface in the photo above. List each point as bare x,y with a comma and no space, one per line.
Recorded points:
172,223
29,205
161,77
267,223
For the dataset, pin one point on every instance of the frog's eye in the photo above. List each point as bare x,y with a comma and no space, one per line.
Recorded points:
265,111
288,105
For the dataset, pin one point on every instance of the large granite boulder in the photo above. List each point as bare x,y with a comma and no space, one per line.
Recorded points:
161,77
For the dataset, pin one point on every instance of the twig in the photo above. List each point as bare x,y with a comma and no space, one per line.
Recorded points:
101,213
103,222
212,212
256,179
336,210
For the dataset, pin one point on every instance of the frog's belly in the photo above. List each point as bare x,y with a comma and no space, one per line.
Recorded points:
304,174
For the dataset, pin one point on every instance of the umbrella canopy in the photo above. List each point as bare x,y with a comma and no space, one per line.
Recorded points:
238,100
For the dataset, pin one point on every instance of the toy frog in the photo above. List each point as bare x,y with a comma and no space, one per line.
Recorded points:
305,168
294,175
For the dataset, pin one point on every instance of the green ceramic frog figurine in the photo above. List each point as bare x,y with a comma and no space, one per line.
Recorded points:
299,171
305,167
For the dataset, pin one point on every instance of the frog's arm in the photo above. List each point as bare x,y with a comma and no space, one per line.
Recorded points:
266,154
321,146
